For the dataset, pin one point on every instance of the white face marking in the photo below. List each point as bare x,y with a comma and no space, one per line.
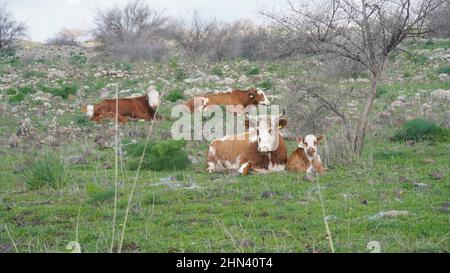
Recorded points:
267,137
90,111
153,97
265,101
310,146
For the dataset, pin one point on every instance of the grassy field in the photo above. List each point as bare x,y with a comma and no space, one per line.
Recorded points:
192,211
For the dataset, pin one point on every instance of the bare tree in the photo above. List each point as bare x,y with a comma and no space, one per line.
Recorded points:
364,31
10,29
440,21
133,31
194,37
66,37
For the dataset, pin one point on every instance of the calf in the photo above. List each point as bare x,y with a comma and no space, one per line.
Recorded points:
235,97
143,107
305,157
262,149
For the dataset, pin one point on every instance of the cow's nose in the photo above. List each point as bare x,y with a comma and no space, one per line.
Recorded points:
311,151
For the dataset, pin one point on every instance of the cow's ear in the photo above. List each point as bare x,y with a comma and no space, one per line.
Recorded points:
300,141
282,123
320,139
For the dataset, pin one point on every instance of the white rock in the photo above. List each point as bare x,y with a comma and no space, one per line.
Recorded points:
398,104
59,112
441,94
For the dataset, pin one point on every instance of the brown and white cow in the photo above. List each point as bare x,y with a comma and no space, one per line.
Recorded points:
234,97
305,158
142,107
261,149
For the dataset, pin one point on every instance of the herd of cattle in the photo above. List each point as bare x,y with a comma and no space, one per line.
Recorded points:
260,149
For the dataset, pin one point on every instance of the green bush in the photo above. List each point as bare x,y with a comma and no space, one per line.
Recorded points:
420,129
64,91
175,95
382,90
98,194
253,71
160,155
46,171
266,85
217,71
77,58
444,70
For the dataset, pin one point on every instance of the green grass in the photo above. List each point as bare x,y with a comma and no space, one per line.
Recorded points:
97,194
46,171
428,44
33,73
226,211
443,70
408,88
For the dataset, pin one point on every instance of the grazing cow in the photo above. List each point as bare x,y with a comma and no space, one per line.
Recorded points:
234,97
143,107
305,157
262,149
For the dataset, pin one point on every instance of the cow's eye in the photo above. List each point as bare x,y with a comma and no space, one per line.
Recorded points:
270,131
315,143
306,144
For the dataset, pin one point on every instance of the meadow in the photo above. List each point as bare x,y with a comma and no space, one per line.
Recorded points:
59,174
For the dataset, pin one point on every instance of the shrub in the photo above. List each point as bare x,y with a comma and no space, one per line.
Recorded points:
266,85
64,91
253,71
444,70
77,58
98,194
47,171
217,71
420,129
159,155
175,95
382,90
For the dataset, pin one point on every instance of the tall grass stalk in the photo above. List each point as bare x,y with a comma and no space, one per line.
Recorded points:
116,171
327,228
133,188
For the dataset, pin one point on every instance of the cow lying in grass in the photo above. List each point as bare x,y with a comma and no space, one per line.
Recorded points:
262,149
234,97
143,107
305,157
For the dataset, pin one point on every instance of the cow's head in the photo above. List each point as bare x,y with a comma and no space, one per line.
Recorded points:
89,110
267,132
309,144
256,96
153,97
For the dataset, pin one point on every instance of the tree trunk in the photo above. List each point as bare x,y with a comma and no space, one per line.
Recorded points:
362,124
